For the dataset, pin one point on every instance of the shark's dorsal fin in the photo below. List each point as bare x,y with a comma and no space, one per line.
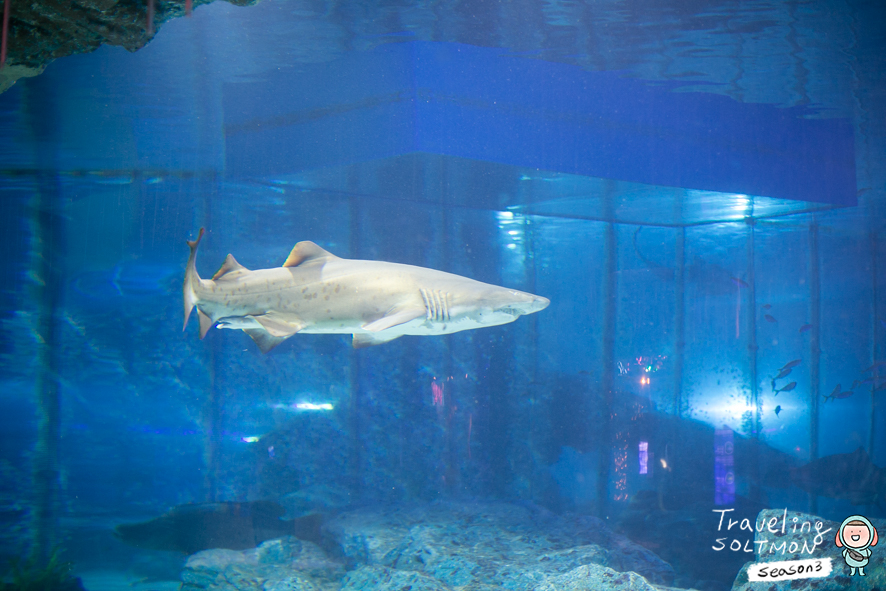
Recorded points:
228,267
305,252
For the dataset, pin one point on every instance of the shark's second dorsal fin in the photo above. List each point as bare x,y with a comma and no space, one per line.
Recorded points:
306,251
228,267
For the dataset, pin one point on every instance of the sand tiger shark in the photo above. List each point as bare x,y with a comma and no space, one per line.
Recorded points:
316,292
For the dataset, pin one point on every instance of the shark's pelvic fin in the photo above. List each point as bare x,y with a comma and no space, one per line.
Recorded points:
363,339
279,326
395,317
306,252
229,269
263,338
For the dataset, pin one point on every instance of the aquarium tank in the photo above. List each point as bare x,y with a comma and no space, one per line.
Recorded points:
462,295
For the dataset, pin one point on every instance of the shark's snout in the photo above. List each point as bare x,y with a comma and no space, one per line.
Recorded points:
526,303
539,304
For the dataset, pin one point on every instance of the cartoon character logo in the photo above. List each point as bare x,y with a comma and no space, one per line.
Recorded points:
856,536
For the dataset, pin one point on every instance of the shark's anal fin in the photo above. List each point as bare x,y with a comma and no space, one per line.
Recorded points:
229,269
305,252
394,318
362,339
205,323
263,339
279,326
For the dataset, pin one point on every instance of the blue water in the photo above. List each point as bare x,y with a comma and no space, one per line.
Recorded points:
698,189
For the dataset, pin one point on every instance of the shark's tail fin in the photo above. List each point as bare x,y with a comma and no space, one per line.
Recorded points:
191,277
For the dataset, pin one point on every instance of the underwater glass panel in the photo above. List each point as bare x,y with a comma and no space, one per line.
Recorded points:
519,295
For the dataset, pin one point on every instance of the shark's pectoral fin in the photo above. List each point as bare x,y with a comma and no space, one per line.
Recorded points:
394,318
278,325
205,323
263,338
363,339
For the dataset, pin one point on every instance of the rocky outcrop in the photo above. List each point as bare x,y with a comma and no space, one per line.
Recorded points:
438,547
42,31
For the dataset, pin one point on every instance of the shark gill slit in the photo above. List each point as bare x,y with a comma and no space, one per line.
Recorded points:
424,297
433,304
443,306
436,304
438,301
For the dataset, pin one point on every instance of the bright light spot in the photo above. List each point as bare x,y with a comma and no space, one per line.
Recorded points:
312,406
741,203
664,464
505,215
303,406
644,457
513,232
512,246
249,439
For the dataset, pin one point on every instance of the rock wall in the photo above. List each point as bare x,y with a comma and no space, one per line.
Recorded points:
40,32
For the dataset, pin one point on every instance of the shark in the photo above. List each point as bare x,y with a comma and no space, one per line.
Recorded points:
316,292
851,477
235,526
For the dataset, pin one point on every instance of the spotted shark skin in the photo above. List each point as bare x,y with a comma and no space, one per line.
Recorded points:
316,292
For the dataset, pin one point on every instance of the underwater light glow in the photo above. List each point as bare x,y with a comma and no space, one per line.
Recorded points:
312,406
724,475
252,439
742,202
303,406
644,457
437,392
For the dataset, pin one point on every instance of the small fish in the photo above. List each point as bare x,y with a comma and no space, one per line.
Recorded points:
739,282
874,366
881,386
783,373
787,388
777,410
805,328
837,395
791,364
780,375
770,318
766,306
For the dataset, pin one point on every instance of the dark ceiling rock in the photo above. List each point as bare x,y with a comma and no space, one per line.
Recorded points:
42,31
